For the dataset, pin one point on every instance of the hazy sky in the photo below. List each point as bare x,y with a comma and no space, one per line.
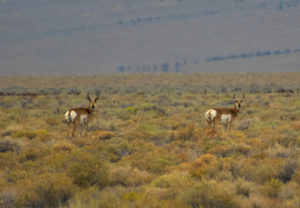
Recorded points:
41,37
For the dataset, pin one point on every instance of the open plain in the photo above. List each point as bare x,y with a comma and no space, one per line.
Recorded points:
148,144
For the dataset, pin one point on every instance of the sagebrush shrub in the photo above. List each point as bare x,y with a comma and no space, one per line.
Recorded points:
202,165
47,190
272,188
85,170
209,194
129,176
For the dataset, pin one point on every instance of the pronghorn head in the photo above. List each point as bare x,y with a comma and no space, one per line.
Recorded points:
92,102
238,102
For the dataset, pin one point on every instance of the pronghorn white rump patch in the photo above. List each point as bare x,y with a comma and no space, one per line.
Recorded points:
225,118
83,119
210,115
70,116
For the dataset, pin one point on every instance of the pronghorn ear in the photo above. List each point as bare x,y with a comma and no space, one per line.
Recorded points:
88,97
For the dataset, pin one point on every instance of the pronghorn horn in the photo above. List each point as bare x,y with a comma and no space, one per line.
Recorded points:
234,96
98,92
243,96
88,97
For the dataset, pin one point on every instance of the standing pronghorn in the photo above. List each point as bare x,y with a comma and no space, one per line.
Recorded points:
224,115
81,116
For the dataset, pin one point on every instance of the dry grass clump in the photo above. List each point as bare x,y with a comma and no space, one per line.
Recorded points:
52,121
103,135
63,146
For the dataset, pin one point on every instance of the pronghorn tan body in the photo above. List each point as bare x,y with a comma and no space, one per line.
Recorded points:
81,116
223,115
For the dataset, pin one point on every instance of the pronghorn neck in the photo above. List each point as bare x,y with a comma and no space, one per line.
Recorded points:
236,110
90,111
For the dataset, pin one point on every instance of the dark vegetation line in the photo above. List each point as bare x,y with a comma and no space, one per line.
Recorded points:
254,55
198,89
241,5
179,66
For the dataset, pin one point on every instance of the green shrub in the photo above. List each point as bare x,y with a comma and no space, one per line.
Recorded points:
28,134
132,110
272,188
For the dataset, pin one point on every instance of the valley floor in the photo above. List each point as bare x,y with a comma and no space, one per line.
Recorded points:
148,144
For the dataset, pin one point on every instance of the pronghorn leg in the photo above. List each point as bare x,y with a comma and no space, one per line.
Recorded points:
210,126
68,130
215,123
74,129
86,128
229,125
80,131
209,123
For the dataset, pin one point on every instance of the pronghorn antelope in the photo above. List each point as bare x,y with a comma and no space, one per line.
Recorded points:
81,116
223,115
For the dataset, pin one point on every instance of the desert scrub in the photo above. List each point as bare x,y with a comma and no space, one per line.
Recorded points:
86,170
129,176
203,165
272,188
115,150
52,121
156,161
148,141
27,134
47,190
103,135
209,194
63,146
173,180
93,197
41,134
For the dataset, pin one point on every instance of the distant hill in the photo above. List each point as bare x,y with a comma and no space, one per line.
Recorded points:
158,36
